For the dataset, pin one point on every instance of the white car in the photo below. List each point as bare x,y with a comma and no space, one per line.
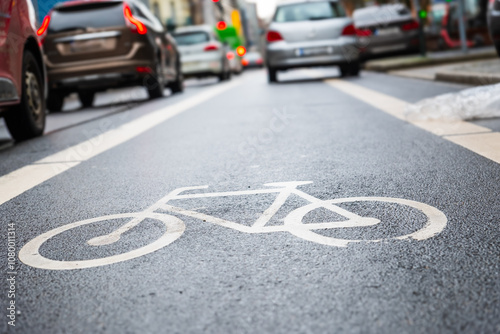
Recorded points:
202,53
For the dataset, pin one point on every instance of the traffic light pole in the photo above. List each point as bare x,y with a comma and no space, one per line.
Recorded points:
461,25
421,22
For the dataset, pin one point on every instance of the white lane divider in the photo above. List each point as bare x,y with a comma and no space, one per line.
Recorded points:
28,177
475,138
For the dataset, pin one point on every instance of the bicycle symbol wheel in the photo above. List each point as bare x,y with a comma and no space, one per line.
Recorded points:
436,221
31,256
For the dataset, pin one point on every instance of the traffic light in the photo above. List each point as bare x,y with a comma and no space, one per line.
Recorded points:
422,14
221,25
241,51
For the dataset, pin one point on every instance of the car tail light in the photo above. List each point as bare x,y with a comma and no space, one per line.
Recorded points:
410,26
274,36
211,47
363,32
144,69
45,25
245,62
230,55
349,30
259,61
133,22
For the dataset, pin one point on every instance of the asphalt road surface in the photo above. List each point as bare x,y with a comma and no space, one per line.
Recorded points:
372,224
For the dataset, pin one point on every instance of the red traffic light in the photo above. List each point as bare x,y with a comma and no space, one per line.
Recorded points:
221,25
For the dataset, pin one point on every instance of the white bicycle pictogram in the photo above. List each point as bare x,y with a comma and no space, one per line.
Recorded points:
175,227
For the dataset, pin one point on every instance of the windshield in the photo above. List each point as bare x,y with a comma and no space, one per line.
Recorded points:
95,15
191,38
309,11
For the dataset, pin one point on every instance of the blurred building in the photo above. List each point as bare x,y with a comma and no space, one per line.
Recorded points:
172,13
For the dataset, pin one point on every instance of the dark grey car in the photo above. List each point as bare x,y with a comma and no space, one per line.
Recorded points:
386,29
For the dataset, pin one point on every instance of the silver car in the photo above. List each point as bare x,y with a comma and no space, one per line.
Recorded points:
202,53
386,29
311,33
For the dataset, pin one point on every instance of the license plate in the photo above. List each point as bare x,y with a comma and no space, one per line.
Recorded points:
88,46
313,51
387,31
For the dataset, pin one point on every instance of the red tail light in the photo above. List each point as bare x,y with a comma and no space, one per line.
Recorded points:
410,26
132,21
349,30
45,25
274,36
144,69
363,32
259,61
245,62
211,47
230,55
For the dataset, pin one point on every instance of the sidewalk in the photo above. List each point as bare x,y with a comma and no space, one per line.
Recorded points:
477,67
432,58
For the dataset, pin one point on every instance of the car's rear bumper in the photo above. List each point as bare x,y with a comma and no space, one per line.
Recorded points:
100,76
378,46
285,55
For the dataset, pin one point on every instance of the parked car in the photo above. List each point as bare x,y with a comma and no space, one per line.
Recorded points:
22,72
99,44
311,33
234,62
494,23
253,59
386,29
203,54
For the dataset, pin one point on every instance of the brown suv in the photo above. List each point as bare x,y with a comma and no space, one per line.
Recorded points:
91,46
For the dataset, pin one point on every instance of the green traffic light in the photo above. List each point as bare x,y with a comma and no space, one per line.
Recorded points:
422,14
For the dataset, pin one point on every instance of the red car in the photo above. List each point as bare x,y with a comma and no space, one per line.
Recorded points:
22,72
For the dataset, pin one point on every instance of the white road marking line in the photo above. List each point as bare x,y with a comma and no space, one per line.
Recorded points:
475,138
28,177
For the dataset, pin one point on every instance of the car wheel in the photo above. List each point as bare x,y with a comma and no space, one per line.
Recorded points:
178,85
27,120
154,83
354,69
272,74
497,47
344,70
55,101
86,98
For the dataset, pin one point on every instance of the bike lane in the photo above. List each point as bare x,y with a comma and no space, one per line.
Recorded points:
218,279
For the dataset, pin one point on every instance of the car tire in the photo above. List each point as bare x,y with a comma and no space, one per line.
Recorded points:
272,75
86,98
497,47
354,69
154,83
178,85
27,119
55,101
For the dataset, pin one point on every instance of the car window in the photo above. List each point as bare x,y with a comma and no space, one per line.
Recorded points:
143,14
309,11
94,15
191,38
381,14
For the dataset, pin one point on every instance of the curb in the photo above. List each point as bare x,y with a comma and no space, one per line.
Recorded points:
405,63
468,78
